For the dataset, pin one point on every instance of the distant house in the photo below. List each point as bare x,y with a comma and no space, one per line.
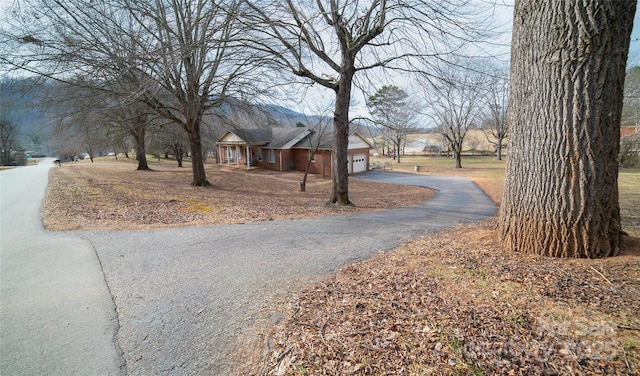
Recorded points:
286,149
628,130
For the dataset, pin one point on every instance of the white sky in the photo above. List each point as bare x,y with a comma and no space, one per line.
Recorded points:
504,12
634,47
4,4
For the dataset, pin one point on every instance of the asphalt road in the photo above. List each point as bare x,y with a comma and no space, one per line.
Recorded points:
57,316
185,296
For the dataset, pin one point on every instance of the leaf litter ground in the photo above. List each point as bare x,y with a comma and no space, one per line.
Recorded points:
452,303
103,196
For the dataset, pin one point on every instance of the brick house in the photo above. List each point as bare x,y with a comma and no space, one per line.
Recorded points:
286,149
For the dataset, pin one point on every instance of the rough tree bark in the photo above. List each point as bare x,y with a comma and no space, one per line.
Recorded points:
339,159
139,134
197,158
567,76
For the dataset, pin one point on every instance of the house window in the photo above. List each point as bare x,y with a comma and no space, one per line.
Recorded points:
272,155
260,155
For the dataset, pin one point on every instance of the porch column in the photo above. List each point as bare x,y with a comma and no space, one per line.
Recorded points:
248,157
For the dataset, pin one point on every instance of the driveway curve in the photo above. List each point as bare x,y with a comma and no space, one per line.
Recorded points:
183,296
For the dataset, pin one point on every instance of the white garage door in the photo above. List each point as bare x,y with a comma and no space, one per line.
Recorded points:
359,163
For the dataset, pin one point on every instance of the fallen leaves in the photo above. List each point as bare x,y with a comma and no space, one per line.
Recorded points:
84,196
455,303
451,303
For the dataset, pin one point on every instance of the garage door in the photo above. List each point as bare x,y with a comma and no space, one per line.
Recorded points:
359,163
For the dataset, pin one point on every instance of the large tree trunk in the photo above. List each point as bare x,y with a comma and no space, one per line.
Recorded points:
339,159
197,158
567,76
139,134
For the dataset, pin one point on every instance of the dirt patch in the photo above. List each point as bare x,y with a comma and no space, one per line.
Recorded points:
115,196
455,303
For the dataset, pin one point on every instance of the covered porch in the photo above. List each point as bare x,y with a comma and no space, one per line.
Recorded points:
242,148
238,155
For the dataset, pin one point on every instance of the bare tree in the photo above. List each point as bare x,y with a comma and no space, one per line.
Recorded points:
134,120
393,116
198,64
105,118
494,123
629,155
327,42
22,111
7,125
566,91
175,56
318,131
87,117
127,117
173,140
7,140
456,101
91,48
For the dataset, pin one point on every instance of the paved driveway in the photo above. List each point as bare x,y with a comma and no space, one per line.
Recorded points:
184,295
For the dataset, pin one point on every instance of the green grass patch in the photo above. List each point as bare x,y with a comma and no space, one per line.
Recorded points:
471,165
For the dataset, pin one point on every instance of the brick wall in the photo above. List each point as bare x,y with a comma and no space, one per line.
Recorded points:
281,155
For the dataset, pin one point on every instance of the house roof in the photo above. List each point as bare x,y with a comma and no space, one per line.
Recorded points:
277,138
287,138
324,141
253,136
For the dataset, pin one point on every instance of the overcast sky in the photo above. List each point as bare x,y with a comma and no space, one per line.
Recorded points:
634,47
504,11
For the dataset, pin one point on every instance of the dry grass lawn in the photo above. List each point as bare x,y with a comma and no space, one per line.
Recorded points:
452,303
111,195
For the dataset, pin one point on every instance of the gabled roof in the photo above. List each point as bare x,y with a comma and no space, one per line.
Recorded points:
277,138
253,136
287,138
324,141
